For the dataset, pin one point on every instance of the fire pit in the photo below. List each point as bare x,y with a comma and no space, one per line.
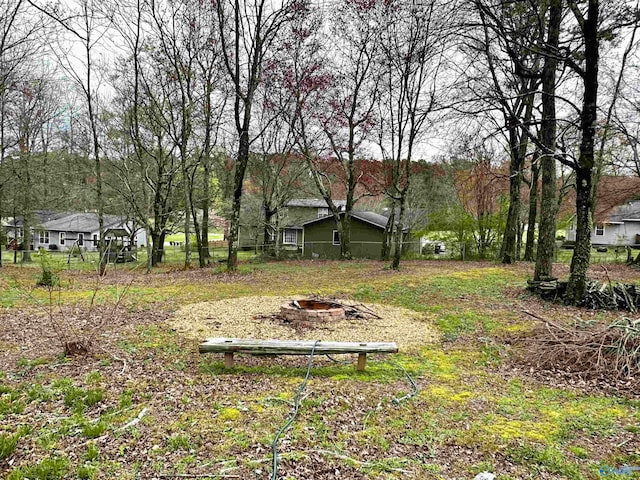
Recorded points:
308,311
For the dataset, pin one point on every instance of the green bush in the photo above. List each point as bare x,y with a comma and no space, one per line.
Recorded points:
47,277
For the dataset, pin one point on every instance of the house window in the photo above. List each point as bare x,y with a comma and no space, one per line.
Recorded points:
336,237
43,237
600,229
95,240
62,238
289,236
323,212
81,239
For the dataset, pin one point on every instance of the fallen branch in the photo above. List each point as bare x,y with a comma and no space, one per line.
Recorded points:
197,475
136,420
592,350
549,322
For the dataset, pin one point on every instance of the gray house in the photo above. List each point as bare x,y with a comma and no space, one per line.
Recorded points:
61,231
622,227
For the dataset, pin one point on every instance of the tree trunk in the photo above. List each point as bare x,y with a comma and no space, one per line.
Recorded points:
533,213
27,215
519,240
277,247
158,248
397,247
509,240
385,252
27,238
206,205
345,236
266,234
548,204
187,211
148,247
198,234
241,167
582,251
586,161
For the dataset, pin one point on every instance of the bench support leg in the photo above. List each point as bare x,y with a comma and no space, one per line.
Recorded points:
362,361
228,360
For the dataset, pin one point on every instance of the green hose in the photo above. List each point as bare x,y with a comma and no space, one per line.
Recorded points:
303,386
296,408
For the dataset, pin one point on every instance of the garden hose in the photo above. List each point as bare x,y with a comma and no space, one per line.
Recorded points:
303,386
296,408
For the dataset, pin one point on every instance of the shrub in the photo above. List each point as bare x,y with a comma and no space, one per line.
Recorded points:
47,277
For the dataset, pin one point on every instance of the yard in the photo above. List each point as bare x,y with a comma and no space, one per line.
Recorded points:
142,403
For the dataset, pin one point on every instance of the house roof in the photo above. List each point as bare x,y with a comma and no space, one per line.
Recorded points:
417,218
371,218
629,211
39,216
313,202
613,192
81,222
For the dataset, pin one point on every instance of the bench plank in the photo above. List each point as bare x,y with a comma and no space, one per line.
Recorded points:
292,347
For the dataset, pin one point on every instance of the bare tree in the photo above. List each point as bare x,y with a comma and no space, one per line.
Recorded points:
211,104
144,165
35,106
414,43
511,38
20,41
87,26
247,32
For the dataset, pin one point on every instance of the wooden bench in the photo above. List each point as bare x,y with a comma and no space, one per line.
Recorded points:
229,346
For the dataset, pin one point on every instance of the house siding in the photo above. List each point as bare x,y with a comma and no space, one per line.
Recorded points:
71,237
366,240
252,237
248,241
614,234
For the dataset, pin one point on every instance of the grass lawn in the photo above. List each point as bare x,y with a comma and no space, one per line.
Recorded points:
179,237
142,403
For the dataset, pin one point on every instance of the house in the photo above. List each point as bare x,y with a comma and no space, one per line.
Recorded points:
320,237
292,215
301,210
61,231
620,227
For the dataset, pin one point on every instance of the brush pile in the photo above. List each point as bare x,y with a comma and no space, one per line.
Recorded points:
619,296
599,296
588,349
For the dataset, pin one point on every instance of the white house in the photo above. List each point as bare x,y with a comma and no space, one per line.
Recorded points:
622,227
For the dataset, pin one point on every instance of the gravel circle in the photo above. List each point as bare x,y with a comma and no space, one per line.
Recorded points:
241,318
